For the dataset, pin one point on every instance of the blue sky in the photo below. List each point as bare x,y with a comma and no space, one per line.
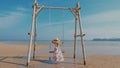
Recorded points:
100,19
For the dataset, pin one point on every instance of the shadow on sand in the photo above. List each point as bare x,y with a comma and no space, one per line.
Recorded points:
4,59
49,61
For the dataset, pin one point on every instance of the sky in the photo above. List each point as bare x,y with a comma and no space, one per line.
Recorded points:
100,19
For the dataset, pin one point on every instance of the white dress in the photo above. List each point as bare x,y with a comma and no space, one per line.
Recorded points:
57,55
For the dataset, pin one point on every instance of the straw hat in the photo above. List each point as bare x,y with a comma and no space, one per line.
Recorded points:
56,41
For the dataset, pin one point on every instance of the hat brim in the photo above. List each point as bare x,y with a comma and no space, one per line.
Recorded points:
56,41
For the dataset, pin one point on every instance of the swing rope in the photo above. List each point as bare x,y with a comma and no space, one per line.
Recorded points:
63,29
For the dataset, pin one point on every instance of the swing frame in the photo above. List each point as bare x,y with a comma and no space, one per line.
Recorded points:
75,11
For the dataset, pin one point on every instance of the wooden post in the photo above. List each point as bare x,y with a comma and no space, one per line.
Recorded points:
74,56
31,34
34,48
81,32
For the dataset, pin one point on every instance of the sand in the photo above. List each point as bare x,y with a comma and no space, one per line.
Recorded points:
15,56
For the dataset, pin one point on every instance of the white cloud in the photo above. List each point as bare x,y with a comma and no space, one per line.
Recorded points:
56,23
102,25
103,32
21,9
9,19
103,17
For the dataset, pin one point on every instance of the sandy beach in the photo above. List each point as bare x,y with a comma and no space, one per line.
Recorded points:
15,56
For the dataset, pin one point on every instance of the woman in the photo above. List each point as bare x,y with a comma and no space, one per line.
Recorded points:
57,55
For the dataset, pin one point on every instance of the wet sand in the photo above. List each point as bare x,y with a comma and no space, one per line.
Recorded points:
15,56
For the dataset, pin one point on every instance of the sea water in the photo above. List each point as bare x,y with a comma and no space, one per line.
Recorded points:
91,47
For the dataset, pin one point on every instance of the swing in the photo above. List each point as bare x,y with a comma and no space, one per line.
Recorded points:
74,11
62,43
